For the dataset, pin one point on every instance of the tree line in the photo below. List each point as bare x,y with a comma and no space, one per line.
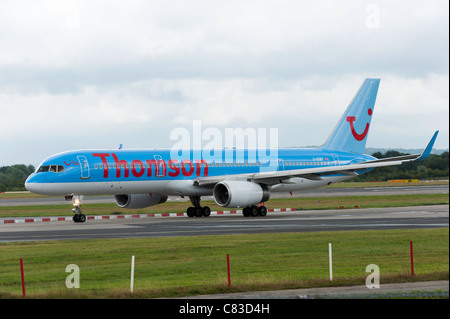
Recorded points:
433,167
12,178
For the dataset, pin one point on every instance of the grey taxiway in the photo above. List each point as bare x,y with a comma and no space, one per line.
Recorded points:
434,216
299,221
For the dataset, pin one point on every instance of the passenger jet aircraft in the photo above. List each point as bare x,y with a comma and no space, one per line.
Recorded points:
142,178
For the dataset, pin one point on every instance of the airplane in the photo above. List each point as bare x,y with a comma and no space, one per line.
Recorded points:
143,178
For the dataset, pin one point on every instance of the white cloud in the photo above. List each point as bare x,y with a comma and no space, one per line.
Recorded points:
101,73
254,102
258,36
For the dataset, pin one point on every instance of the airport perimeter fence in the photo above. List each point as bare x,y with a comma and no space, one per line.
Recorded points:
202,267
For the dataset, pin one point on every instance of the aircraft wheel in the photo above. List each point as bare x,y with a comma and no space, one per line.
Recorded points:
206,211
198,211
262,211
246,211
190,212
79,218
254,211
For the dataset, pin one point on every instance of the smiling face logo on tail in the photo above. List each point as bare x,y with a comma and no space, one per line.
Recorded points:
358,137
351,132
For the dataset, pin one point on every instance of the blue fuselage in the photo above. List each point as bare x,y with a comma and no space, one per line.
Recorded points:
114,171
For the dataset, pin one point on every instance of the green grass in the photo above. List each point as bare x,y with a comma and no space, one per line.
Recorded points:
177,207
178,266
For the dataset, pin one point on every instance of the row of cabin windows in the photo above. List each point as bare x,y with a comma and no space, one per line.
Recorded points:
245,164
139,166
302,163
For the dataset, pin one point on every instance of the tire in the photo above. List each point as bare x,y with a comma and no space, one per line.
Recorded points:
82,218
190,212
198,211
254,211
246,211
206,211
262,211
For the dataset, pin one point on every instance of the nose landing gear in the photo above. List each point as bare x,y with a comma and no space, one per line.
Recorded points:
79,217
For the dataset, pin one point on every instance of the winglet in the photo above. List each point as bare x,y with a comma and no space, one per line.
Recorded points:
427,150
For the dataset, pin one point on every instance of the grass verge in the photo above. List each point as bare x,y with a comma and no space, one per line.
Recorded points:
180,266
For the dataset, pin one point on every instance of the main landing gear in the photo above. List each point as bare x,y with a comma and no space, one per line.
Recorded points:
79,217
253,211
197,210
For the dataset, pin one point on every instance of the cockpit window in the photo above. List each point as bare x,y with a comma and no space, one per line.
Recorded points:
50,168
43,168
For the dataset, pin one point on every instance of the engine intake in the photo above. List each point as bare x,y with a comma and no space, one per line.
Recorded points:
240,193
137,201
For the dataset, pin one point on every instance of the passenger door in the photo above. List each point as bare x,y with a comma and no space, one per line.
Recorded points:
84,166
161,166
336,159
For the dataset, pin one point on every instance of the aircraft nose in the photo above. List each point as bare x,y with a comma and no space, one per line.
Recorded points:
32,185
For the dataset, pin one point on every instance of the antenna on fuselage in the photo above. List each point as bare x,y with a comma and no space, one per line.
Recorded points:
120,146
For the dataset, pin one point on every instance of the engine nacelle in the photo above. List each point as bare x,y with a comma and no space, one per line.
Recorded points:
137,201
239,194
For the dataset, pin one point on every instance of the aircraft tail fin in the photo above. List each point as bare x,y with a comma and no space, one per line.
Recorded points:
350,134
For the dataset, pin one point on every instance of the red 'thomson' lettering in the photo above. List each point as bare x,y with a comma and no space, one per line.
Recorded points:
159,167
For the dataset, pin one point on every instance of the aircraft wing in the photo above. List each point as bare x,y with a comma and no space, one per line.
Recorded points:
272,178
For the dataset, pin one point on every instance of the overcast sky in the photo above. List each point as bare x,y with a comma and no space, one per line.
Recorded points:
96,74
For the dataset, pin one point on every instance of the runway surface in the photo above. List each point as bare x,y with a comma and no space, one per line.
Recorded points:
395,290
300,221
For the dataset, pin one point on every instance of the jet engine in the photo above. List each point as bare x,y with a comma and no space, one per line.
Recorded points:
137,201
240,193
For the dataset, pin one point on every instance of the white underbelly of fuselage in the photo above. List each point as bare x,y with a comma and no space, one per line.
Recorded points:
171,188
